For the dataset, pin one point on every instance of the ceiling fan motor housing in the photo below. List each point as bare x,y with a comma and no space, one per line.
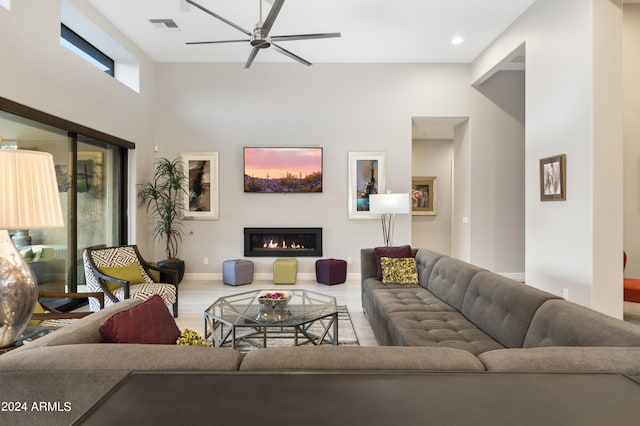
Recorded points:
258,39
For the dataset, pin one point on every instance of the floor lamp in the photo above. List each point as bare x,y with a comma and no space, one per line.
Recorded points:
29,199
388,206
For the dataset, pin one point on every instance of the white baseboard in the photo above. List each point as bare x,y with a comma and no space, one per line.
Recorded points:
259,276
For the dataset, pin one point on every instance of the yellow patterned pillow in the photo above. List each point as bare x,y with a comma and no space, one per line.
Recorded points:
192,338
401,270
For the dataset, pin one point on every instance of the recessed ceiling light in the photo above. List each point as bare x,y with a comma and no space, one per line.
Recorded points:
457,40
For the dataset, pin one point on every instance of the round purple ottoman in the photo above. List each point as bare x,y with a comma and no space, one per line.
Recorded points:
331,271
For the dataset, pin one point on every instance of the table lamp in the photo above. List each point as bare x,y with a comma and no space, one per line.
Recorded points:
28,200
388,206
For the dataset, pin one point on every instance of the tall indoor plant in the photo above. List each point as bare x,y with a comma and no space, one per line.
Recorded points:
162,198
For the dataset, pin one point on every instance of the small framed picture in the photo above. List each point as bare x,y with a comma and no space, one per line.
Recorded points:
367,175
553,178
201,196
424,196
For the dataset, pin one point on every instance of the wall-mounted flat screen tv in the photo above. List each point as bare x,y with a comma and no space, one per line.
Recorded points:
282,169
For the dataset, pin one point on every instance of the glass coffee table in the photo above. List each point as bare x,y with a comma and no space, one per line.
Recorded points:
304,317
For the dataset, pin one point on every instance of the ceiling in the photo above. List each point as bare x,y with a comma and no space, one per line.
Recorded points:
373,31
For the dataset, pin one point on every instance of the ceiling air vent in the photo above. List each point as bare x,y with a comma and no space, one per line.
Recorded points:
164,24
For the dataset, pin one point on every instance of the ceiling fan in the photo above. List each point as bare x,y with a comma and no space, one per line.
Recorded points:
259,37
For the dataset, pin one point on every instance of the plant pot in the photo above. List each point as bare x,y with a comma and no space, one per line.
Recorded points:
174,265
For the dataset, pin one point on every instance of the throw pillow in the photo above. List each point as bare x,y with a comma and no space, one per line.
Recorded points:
192,338
148,322
394,252
130,272
27,253
399,270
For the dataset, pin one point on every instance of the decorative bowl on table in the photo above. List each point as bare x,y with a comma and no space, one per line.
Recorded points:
273,305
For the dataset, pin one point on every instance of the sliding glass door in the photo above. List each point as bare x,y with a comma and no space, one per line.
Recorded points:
91,186
98,197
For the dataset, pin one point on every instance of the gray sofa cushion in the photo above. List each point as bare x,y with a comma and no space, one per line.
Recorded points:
117,356
425,261
450,279
502,307
442,329
383,299
563,323
85,330
360,358
407,298
564,360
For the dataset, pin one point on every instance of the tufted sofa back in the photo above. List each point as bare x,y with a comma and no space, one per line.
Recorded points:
450,279
501,307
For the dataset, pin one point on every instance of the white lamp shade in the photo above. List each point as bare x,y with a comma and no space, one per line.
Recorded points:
389,203
28,191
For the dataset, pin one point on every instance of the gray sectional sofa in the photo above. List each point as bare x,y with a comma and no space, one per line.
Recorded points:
459,318
507,325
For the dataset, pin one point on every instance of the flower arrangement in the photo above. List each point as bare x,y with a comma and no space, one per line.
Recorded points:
274,295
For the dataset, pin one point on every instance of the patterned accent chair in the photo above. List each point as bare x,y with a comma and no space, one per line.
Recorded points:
103,270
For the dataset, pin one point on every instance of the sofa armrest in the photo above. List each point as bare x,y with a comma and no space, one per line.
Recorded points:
367,264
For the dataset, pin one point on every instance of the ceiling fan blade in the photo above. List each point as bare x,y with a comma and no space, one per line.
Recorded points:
304,36
215,15
271,17
252,56
218,41
291,55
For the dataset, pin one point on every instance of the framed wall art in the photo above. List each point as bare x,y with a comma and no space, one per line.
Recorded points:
424,196
201,197
367,175
553,178
282,169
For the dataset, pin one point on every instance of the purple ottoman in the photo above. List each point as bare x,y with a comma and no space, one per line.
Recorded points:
331,271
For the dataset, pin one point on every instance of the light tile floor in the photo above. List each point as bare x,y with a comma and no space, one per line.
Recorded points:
196,296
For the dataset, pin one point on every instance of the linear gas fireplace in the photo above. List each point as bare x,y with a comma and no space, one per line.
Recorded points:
282,242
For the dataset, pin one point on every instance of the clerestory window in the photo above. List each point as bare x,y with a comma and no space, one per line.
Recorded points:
87,51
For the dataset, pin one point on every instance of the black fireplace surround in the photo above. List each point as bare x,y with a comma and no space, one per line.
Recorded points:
282,242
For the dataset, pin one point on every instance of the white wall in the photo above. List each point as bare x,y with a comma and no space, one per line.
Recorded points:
631,61
460,227
566,241
38,72
360,107
434,158
497,174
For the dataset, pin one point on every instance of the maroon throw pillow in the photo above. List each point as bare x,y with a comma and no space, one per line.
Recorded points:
149,322
394,252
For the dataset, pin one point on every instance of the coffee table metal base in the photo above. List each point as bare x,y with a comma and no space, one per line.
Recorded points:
256,333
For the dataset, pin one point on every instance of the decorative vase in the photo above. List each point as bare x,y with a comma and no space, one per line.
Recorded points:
175,265
21,238
18,292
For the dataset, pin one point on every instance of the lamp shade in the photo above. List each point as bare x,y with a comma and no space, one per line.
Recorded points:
28,191
389,203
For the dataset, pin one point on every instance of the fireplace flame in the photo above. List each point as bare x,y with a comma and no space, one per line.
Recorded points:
275,245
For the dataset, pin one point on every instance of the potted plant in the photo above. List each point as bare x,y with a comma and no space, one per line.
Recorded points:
162,198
